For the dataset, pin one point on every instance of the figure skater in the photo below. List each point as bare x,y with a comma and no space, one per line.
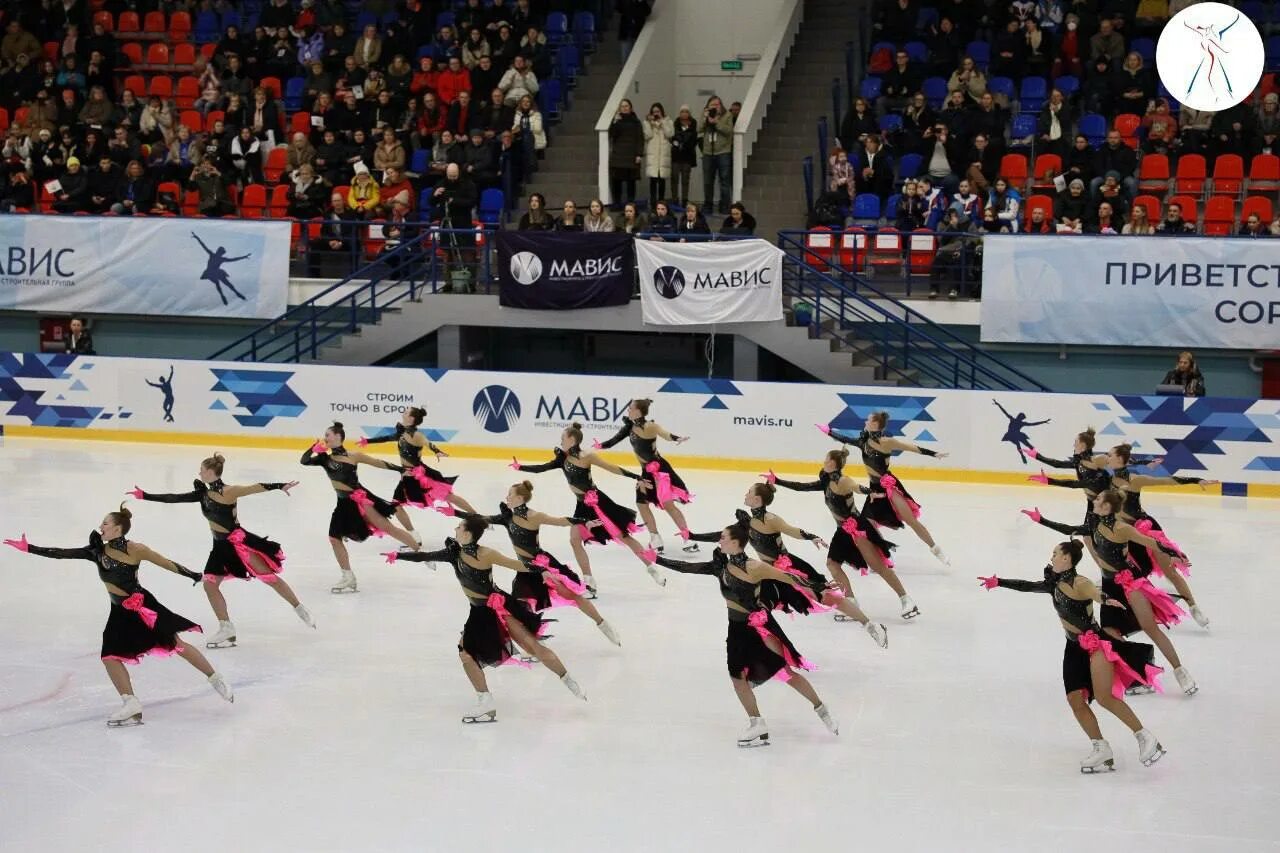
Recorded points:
757,649
359,513
617,523
897,507
659,483
856,541
543,581
1107,539
236,552
138,624
166,388
1092,667
420,485
814,593
214,272
498,619
1092,475
1014,433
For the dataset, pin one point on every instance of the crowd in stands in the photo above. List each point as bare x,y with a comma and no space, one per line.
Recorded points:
1043,117
665,223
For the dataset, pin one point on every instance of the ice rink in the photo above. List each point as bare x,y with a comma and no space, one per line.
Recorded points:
957,737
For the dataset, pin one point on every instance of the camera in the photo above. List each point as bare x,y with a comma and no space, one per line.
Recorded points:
712,112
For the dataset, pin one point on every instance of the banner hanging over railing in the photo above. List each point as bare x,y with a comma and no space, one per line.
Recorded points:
136,265
695,284
1131,291
564,271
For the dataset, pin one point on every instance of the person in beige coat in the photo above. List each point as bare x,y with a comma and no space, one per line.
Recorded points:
368,48
658,130
969,79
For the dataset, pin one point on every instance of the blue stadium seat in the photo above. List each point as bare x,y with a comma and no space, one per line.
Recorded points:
935,91
890,123
550,98
1094,127
557,28
230,18
1032,95
1273,53
1146,48
584,30
363,20
925,18
981,53
568,61
866,206
1069,86
891,205
421,162
869,88
909,166
293,91
917,51
492,204
445,19
1000,86
1022,134
206,28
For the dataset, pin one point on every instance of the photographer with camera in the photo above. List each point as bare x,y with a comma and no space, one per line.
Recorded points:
215,199
658,132
717,154
452,201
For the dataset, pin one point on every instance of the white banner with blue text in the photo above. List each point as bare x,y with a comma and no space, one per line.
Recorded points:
695,284
136,265
1131,291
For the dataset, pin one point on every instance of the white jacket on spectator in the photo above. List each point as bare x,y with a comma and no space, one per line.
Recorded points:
535,126
516,84
657,148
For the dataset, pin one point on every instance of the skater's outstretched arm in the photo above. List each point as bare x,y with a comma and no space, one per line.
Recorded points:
236,492
710,567
800,486
145,554
1064,482
780,525
497,558
444,555
669,436
153,384
366,459
1068,529
622,433
846,438
540,518
764,572
554,464
594,459
712,536
89,552
1143,480
1128,533
1018,585
190,497
1039,423
907,447
1051,462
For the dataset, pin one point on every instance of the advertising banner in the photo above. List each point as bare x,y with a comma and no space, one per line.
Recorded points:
1131,291
538,269
137,265
694,284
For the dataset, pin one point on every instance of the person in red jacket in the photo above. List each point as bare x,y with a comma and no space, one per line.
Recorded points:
453,80
431,118
426,78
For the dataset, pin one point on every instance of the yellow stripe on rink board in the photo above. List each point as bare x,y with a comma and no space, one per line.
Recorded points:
538,454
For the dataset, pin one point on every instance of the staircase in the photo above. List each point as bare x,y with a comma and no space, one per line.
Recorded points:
773,189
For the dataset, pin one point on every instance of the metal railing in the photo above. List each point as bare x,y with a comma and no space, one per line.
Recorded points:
904,339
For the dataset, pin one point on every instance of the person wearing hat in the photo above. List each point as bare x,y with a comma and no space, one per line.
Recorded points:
73,194
1071,208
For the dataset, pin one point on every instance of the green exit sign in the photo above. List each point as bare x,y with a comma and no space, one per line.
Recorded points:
731,65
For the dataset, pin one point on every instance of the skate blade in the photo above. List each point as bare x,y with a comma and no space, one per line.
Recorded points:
529,659
1153,759
691,549
124,724
754,742
491,717
590,595
1193,690
342,590
1107,767
224,644
1138,691
840,617
912,613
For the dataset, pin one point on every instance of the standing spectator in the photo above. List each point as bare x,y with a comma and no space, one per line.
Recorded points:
102,185
1053,127
738,223
137,193
518,82
876,174
626,153
692,226
536,218
969,80
364,194
684,153
79,342
1007,204
569,218
529,130
1173,223
1186,374
659,132
897,87
1106,43
1097,93
481,160
214,198
1115,156
990,119
956,253
597,221
1253,227
909,214
858,124
1009,54
631,17
368,50
1138,224
1071,208
942,158
945,44
307,193
454,198
717,153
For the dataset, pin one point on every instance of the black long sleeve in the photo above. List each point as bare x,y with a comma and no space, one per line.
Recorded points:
1182,481
444,555
1025,586
85,553
622,433
713,536
491,519
190,497
541,467
844,438
309,458
1055,463
1068,529
707,568
797,486
382,439
1064,483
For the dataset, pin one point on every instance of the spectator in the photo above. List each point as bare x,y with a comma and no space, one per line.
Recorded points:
518,81
137,193
897,87
336,236
1071,208
1194,129
969,201
684,153
368,48
426,78
184,154
1054,125
658,133
364,195
738,223
1107,221
1112,191
496,115
1106,43
1009,53
1115,156
1041,223
1158,111
307,193
717,153
1160,141
214,198
626,153
300,151
969,80
1138,224
984,163
1186,374
597,221
452,81
396,193
480,159
1096,93
120,147
446,150
388,153
1173,223
18,42
662,222
536,218
459,118
73,193
942,157
1253,227
529,130
692,226
432,119
210,99
631,222
505,48
235,80
1037,49
956,255
896,21
909,213
18,193
1267,119
102,185
310,47
533,47
859,123
79,341
1232,129
989,118
917,125
957,115
632,15
935,202
263,118
70,76
98,111
1079,162
473,48
1007,204
454,198
840,175
246,157
1134,86
876,174
569,219
993,224
945,43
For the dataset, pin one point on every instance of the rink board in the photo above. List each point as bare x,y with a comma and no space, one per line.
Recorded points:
733,425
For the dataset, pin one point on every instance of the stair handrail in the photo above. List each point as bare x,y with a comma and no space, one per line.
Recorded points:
824,131
755,104
932,332
836,99
850,75
806,169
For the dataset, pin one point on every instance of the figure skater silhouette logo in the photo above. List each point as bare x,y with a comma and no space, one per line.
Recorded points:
1210,56
214,272
1015,434
165,384
496,407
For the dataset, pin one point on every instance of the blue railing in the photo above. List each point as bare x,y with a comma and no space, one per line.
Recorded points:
823,141
806,169
904,338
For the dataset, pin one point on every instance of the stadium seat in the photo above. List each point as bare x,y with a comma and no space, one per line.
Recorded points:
1151,204
187,93
300,122
153,26
1013,168
1153,174
886,249
869,88
492,206
890,123
278,207
1001,86
557,28
1264,173
137,84
183,57
909,166
192,119
1046,167
935,91
922,248
550,98
1022,132
294,89
917,51
179,27
275,164
1068,85
128,25
584,31
852,253
1219,215
420,162
866,208
568,61
157,57
1127,125
1032,94
1258,204
253,204
160,87
1094,128
207,28
212,117
272,87
820,248
133,53
1146,48
106,19
1228,175
1190,176
980,52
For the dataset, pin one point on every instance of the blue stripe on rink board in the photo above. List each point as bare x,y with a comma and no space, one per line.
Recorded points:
1235,490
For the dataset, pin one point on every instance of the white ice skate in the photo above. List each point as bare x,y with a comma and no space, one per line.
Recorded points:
909,609
305,615
607,630
567,681
656,574
1185,681
757,734
825,716
129,714
1100,760
936,551
691,547
219,684
879,634
655,542
347,583
1198,615
589,581
1149,749
224,639
417,538
841,617
485,711
1139,690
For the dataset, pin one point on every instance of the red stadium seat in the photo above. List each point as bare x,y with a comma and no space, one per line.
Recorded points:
275,164
160,87
153,25
1152,205
1189,209
1153,174
1258,204
820,244
253,204
1228,175
128,25
886,249
1127,124
853,249
1047,165
106,19
157,57
300,122
1013,168
1219,215
279,205
923,248
192,119
188,93
133,52
183,56
180,27
272,87
1190,177
1264,173
211,117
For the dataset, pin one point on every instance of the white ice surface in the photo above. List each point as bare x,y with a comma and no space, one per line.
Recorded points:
348,737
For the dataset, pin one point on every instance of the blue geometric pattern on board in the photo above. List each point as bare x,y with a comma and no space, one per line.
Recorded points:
1264,463
382,431
265,394
714,403
902,411
700,386
1102,407
1211,420
14,369
925,435
435,373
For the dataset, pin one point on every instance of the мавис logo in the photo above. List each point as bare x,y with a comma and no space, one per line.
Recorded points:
526,267
669,281
1210,56
496,407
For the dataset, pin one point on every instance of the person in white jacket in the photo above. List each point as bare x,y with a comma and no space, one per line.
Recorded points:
528,126
518,82
658,130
